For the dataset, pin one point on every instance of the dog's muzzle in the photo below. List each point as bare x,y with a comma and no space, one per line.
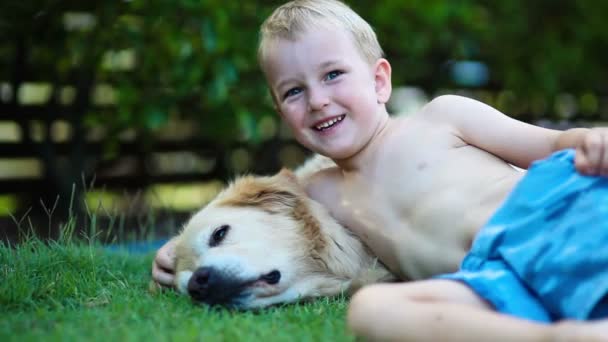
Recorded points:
212,286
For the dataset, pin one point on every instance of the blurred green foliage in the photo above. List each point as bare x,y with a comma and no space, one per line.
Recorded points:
196,59
540,46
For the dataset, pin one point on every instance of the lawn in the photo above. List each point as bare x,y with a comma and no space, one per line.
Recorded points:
64,291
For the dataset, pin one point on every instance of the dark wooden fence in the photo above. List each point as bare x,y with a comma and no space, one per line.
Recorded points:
78,163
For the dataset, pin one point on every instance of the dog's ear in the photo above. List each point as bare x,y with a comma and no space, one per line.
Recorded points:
273,194
275,200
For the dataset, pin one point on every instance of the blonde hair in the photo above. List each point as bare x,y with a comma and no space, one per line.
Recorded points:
295,17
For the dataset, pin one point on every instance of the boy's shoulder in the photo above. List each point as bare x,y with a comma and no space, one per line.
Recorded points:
444,111
323,178
312,165
322,184
458,110
445,106
441,110
452,112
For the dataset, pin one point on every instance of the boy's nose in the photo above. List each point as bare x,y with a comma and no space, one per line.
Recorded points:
317,99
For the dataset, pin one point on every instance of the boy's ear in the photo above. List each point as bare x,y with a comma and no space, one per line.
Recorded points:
382,78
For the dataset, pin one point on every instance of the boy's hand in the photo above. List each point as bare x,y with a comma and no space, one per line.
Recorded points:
163,266
592,153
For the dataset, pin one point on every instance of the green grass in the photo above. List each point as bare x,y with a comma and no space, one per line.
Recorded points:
68,291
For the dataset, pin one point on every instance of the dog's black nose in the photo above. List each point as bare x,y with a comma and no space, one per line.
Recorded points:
215,286
198,285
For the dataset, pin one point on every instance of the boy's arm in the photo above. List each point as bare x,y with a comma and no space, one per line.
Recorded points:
487,128
514,141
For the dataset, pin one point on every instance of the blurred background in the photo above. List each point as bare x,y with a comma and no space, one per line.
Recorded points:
122,117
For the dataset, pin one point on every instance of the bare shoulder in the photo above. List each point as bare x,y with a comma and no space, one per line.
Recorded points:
435,119
443,111
323,184
450,107
312,165
465,112
490,130
317,175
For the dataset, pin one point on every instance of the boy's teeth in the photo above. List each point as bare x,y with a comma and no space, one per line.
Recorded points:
329,123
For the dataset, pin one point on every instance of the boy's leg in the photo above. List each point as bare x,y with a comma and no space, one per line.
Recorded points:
444,310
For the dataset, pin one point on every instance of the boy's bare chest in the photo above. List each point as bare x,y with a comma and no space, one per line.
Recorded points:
444,189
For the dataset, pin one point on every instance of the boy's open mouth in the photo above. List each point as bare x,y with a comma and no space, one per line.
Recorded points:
326,124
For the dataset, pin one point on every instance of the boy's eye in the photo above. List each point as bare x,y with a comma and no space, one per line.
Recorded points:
333,74
292,92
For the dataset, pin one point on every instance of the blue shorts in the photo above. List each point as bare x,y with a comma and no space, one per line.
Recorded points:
543,256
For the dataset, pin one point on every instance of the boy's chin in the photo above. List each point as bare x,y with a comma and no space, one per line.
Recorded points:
340,151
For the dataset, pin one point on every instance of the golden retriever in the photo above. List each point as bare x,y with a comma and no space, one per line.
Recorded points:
262,241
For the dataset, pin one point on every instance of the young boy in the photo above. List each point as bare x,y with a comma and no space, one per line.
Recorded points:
416,189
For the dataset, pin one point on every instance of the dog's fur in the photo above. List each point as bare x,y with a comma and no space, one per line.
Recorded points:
228,251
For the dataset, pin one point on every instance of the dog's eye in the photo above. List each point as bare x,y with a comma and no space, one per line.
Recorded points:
272,277
218,235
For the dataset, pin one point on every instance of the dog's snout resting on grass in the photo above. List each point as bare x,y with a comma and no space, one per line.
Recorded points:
263,241
213,286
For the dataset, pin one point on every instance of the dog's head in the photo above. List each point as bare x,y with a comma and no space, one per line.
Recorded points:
262,241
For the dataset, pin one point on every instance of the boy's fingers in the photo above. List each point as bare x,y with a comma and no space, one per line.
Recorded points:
164,260
593,151
603,163
165,256
163,265
162,277
581,163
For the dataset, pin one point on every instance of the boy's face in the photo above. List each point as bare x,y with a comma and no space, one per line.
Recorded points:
325,91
